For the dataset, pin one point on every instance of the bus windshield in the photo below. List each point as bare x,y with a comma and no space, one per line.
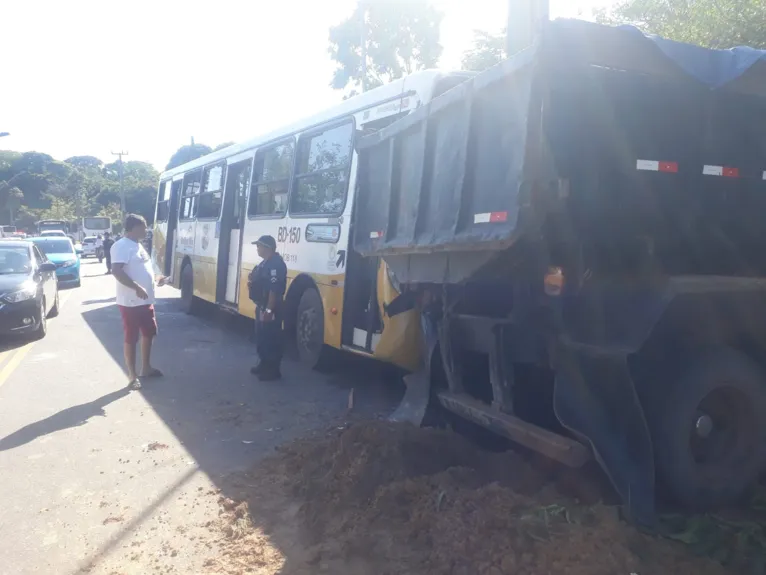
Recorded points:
97,223
51,225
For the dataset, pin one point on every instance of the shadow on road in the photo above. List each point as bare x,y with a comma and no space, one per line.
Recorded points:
9,343
64,419
225,418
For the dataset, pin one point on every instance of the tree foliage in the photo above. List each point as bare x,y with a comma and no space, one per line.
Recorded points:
34,186
486,51
187,154
401,38
709,23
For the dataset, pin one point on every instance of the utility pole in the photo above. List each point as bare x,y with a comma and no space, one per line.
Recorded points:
525,21
122,189
363,32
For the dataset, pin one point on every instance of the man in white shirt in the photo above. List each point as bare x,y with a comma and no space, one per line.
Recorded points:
132,268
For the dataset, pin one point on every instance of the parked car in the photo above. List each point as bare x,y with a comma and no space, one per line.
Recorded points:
89,247
61,251
28,289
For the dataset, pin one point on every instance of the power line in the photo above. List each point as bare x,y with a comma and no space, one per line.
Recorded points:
122,189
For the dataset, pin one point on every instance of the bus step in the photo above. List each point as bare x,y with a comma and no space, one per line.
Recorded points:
229,307
562,449
356,349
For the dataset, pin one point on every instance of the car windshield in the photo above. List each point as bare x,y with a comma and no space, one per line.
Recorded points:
89,241
14,260
55,246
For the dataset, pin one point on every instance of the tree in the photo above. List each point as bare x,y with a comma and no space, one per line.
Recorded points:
60,209
224,145
85,162
401,38
709,23
486,51
187,154
12,200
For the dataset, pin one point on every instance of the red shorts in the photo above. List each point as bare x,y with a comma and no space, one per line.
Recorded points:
138,319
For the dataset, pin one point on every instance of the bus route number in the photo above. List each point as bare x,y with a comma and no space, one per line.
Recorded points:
289,235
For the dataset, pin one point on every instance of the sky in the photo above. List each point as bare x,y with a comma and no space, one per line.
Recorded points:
87,77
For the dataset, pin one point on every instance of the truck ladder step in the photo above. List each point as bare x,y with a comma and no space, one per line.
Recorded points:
563,449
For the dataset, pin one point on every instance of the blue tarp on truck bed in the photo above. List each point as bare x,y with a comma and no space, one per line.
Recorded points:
467,174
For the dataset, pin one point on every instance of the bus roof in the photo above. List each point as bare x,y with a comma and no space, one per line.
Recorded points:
421,82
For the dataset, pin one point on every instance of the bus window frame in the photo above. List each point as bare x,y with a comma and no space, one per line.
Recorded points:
165,201
350,119
225,166
286,140
183,196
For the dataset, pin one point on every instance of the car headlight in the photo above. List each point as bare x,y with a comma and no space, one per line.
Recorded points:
68,263
27,291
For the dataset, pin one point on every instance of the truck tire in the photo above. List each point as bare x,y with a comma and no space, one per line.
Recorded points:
309,330
709,430
188,301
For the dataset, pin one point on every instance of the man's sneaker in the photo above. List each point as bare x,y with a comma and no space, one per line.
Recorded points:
257,369
269,375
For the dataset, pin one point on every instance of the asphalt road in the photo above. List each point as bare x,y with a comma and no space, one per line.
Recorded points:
98,479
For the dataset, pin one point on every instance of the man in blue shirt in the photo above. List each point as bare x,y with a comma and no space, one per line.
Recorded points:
267,284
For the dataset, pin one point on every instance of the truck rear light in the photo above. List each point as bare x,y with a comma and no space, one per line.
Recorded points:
554,281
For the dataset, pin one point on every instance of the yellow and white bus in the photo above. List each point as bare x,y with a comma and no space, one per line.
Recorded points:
296,184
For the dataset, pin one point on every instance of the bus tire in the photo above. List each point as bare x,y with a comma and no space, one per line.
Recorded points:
188,301
709,430
309,330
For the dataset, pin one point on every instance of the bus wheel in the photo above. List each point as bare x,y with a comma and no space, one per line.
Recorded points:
710,431
309,329
188,301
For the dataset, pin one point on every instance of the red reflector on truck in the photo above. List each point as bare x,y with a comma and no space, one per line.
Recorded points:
490,217
655,166
723,171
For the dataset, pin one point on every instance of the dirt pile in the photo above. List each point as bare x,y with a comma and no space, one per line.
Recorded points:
382,498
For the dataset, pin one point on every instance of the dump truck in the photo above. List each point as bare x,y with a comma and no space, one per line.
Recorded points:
582,230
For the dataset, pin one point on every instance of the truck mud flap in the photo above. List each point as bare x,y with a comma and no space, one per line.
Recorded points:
595,398
417,395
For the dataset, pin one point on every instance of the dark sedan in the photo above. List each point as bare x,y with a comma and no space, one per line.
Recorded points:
28,289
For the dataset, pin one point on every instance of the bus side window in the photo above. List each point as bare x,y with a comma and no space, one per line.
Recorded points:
238,176
190,199
211,196
321,171
271,180
163,202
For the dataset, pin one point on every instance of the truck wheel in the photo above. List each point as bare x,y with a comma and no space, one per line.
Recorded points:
309,329
188,301
709,430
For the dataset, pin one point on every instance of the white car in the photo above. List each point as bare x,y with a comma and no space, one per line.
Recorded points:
89,247
56,233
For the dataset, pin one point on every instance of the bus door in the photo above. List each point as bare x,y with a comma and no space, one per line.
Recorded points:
232,223
170,236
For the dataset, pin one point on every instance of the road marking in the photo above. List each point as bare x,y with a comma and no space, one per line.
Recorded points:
66,296
14,362
18,354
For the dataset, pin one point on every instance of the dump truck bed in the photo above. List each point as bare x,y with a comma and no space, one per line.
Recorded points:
618,119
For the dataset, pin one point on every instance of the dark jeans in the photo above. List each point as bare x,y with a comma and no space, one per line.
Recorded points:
108,258
268,340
